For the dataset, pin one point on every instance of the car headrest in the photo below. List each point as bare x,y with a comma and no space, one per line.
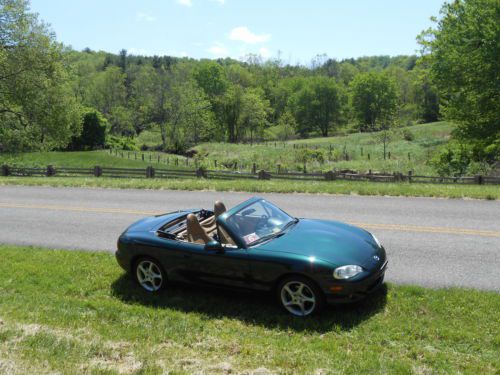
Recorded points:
219,208
195,232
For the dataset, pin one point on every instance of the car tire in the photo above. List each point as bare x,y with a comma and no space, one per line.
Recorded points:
300,296
149,274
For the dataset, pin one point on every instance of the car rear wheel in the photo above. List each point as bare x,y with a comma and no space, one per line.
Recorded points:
149,274
300,296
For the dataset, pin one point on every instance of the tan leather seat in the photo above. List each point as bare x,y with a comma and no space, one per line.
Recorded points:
219,209
195,232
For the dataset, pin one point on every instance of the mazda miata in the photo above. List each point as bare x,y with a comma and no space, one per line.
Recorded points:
255,245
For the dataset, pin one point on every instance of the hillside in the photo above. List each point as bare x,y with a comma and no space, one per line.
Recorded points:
363,151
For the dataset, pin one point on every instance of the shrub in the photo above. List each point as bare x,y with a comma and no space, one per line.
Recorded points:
121,143
408,135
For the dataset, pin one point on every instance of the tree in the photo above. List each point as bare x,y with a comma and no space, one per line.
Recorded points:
318,105
462,53
374,100
93,135
253,116
37,110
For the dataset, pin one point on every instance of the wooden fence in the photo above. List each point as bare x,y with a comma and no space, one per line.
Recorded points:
150,172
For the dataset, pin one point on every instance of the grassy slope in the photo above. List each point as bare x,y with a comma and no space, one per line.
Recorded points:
82,159
75,312
277,186
428,139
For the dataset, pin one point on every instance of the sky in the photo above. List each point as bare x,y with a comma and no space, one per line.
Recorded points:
294,30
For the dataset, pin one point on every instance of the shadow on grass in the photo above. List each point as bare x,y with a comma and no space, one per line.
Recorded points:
251,308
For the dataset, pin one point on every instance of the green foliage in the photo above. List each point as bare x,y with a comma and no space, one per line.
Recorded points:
318,105
462,53
374,101
458,160
33,78
121,143
408,135
93,135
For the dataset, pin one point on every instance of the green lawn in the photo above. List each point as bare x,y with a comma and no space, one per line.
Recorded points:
273,186
88,159
77,312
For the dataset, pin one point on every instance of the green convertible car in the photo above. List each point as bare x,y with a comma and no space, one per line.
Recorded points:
255,245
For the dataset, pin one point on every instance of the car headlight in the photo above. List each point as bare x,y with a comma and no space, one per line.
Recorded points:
346,272
376,240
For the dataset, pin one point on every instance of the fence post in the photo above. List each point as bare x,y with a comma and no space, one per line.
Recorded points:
97,171
215,164
142,157
409,156
158,158
479,179
5,170
368,156
51,171
254,168
150,172
389,154
410,173
200,172
279,168
263,175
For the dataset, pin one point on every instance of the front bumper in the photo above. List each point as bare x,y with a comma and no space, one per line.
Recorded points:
356,290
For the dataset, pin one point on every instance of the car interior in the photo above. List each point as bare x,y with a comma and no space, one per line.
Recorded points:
198,227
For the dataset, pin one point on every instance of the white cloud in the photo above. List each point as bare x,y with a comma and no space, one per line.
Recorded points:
219,50
146,17
221,2
264,52
243,34
186,3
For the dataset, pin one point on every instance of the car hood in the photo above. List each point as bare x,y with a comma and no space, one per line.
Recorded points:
331,241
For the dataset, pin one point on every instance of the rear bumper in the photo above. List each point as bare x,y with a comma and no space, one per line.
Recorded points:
355,291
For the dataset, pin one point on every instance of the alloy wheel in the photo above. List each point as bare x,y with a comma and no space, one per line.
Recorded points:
149,275
298,298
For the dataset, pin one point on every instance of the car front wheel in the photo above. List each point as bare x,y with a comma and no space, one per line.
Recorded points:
149,274
300,296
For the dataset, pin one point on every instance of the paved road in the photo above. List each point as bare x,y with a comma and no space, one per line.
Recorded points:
430,242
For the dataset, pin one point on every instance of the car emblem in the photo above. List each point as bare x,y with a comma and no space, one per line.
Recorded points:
376,257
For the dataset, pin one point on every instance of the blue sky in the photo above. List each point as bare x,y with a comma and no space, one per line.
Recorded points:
299,29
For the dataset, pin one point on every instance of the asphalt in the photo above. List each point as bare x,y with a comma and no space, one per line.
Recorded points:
430,242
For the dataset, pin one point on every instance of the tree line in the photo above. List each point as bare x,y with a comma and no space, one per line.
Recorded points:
53,97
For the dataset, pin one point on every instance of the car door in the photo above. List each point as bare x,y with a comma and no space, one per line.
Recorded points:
226,268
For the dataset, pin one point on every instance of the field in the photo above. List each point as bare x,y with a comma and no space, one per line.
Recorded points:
77,312
427,139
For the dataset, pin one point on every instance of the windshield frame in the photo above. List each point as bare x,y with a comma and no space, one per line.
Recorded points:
238,239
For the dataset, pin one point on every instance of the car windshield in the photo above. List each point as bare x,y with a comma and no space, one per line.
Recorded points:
259,221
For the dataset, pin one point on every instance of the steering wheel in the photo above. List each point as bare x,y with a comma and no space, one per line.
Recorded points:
262,222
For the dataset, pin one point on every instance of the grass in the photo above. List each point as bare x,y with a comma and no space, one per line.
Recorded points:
86,159
490,192
428,139
77,312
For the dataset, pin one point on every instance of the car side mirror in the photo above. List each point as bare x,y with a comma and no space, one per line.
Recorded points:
214,246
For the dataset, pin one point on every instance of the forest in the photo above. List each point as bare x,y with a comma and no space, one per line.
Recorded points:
55,98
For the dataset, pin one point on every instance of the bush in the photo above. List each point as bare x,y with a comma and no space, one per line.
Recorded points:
304,155
121,143
453,161
408,135
93,135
